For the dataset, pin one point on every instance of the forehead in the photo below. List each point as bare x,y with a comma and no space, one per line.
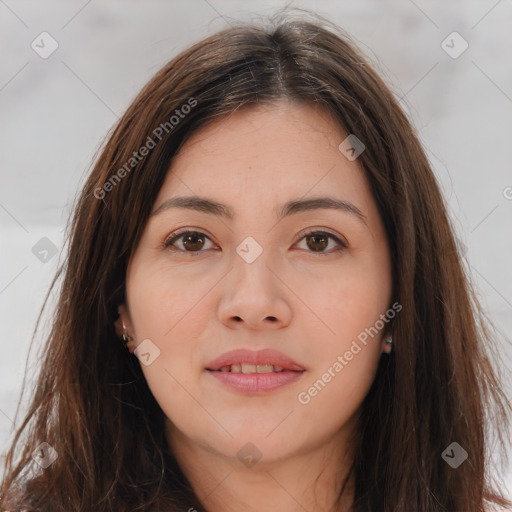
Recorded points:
265,155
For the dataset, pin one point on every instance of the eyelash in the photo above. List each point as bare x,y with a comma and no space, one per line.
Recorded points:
176,235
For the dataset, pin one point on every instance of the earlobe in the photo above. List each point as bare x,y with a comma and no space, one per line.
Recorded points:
387,344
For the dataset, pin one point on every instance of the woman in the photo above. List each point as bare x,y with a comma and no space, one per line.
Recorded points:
263,307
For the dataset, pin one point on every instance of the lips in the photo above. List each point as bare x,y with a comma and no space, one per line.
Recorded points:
255,372
249,361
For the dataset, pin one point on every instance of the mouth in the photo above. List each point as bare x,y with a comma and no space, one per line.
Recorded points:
254,361
247,368
255,372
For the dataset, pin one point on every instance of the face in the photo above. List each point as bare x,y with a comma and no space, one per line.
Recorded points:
295,286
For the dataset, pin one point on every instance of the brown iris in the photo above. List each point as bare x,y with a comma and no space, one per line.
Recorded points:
190,241
319,243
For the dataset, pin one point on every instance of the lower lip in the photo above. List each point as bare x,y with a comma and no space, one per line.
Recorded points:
256,383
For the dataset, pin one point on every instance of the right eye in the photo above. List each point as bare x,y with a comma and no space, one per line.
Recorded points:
190,241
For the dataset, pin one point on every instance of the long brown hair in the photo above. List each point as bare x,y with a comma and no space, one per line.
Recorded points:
92,404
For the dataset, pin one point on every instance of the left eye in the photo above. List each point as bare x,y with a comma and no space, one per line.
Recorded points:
193,241
319,240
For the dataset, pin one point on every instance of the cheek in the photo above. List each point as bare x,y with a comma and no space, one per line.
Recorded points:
168,309
348,303
334,395
346,361
347,346
163,319
165,300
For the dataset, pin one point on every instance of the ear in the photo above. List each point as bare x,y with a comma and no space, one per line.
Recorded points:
124,325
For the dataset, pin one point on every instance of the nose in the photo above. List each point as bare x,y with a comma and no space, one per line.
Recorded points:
255,296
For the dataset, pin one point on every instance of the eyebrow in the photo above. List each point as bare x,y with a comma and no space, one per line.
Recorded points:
209,206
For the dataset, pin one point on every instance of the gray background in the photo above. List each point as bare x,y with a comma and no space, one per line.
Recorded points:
56,111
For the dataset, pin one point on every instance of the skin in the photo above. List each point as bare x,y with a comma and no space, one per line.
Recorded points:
308,306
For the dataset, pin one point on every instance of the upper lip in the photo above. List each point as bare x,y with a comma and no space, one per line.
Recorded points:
266,356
